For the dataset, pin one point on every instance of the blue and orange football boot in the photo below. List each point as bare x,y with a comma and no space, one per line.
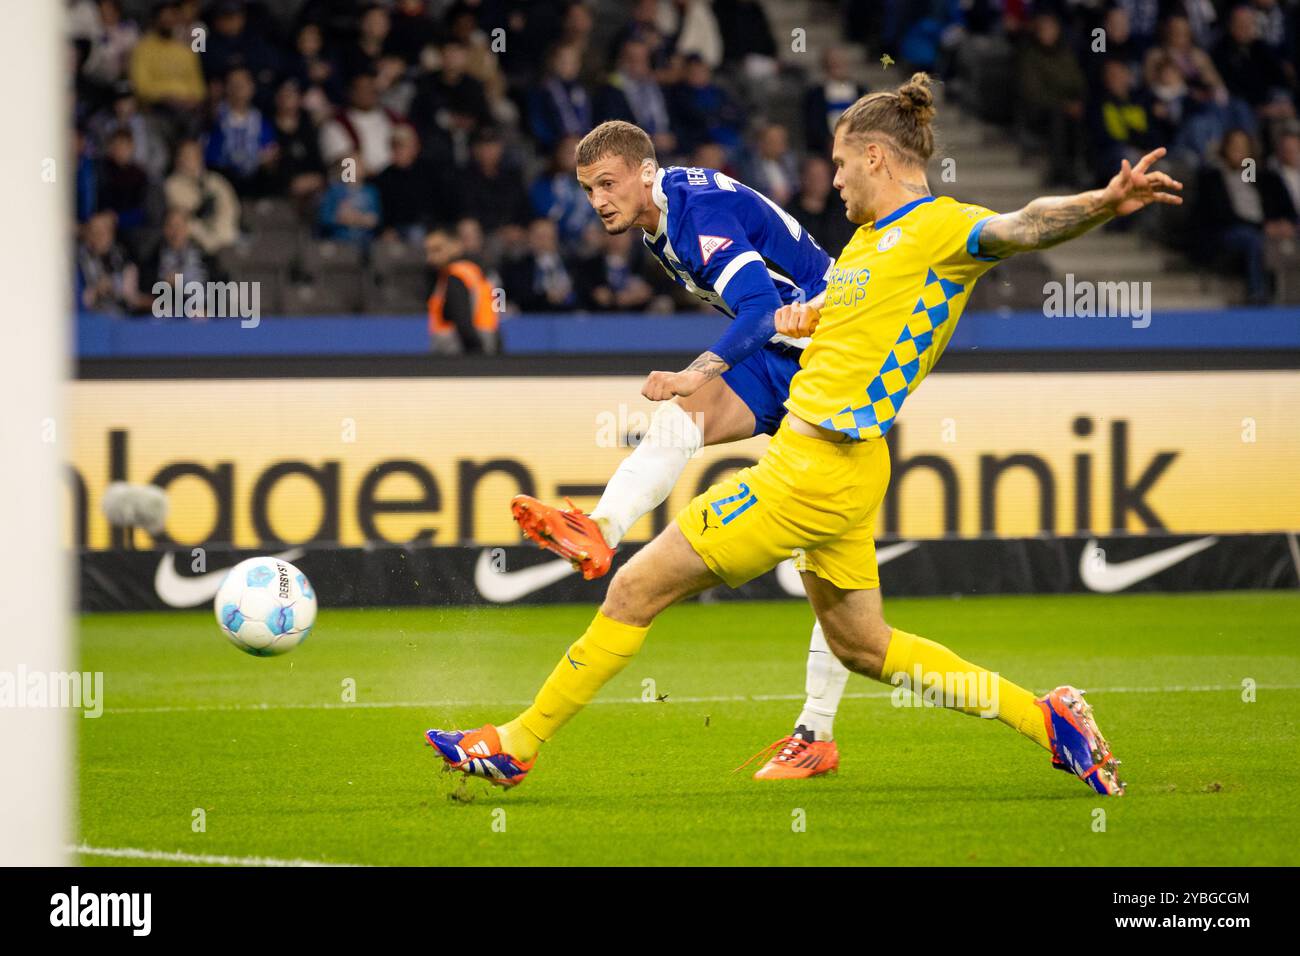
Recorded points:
569,533
477,753
1077,744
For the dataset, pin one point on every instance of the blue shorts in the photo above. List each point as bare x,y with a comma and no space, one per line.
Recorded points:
763,383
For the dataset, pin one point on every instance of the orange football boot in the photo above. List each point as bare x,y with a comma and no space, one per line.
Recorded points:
796,759
571,534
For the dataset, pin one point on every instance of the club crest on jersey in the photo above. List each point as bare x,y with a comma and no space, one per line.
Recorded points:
889,239
711,244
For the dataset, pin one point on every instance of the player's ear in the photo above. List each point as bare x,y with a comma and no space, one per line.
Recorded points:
647,172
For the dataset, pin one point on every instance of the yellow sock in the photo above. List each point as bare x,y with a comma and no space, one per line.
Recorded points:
937,669
591,662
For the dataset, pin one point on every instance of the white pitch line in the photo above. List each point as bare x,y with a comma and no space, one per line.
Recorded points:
132,853
721,699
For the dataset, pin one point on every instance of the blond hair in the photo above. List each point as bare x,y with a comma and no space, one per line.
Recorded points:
901,117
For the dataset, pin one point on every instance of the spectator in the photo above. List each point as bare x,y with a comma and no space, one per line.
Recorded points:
393,81
1120,45
463,305
122,186
410,196
317,75
701,110
296,168
531,29
611,280
450,93
824,102
364,129
773,170
491,190
165,72
1251,70
110,38
1052,87
242,143
747,37
633,94
1120,121
233,43
1143,18
558,196
642,26
206,196
480,62
540,280
413,33
372,41
559,106
712,156
818,207
1282,190
123,113
179,258
350,209
575,31
1193,63
1271,22
87,198
1231,213
692,30
106,280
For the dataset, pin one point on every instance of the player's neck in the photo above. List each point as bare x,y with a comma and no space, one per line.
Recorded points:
898,194
649,219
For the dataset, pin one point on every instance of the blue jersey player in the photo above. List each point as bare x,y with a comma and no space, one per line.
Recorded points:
734,248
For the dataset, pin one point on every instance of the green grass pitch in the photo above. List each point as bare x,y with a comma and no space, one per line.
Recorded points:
284,769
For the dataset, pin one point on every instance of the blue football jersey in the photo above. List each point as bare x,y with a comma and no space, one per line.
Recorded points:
723,242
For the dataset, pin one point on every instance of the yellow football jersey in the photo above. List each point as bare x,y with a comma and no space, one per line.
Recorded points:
893,299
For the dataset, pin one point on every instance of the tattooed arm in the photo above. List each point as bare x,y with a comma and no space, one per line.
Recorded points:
661,386
1051,220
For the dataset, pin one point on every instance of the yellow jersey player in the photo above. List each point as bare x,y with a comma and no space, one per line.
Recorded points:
890,306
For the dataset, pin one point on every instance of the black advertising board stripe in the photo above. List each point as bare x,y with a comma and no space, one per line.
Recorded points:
415,576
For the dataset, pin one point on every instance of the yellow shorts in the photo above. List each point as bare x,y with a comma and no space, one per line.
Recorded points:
811,500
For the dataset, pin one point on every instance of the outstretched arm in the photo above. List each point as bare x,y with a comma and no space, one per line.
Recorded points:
1051,220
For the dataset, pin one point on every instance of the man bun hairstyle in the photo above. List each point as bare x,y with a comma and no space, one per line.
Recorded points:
900,118
616,138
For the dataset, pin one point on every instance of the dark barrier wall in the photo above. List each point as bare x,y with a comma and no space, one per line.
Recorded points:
379,577
100,337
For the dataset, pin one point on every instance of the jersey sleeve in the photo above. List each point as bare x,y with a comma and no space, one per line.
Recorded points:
721,253
959,242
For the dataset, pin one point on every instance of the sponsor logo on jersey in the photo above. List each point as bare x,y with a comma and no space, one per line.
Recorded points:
711,244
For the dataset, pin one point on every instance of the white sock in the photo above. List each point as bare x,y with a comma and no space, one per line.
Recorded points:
825,687
646,477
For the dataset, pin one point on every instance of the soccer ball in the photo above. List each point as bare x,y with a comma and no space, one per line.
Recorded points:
265,606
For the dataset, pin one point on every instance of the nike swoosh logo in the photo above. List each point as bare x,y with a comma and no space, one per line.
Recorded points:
788,578
177,590
1107,578
502,587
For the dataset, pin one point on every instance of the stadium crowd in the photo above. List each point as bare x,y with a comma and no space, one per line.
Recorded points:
424,148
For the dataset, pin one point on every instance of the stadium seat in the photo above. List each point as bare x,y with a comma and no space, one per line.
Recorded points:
1284,259
267,216
397,280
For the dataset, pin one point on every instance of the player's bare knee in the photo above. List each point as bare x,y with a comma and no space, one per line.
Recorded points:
862,647
627,599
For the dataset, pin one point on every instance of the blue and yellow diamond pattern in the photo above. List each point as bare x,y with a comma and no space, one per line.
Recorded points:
890,387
